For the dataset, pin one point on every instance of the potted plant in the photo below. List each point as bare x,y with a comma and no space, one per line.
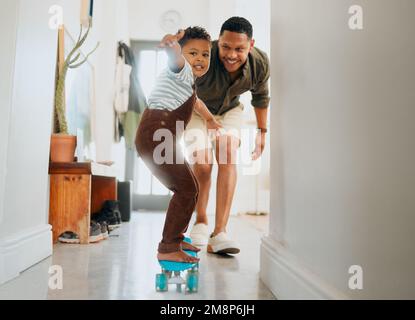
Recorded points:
63,144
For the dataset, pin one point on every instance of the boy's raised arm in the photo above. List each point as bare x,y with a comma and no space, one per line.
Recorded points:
170,42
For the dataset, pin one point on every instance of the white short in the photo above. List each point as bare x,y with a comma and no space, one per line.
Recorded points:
196,136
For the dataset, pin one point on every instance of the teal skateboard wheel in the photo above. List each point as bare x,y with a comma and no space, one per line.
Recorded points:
161,282
192,281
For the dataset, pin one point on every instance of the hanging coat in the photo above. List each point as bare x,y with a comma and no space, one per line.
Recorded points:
122,85
127,118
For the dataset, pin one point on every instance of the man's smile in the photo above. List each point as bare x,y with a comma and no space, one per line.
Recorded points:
231,61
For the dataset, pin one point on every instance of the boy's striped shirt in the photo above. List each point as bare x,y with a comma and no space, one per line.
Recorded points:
172,89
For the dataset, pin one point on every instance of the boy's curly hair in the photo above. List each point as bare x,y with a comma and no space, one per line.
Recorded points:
194,33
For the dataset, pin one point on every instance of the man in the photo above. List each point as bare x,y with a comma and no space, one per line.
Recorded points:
236,67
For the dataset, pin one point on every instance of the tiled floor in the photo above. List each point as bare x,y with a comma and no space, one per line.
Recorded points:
124,266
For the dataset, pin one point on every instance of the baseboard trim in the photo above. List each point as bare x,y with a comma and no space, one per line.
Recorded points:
288,279
24,249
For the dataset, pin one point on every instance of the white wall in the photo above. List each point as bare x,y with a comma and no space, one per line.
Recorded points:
145,16
342,178
8,25
218,12
110,25
25,236
28,71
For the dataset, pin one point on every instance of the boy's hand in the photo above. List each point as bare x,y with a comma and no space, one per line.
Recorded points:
214,127
171,41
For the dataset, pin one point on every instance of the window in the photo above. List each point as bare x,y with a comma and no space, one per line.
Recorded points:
150,62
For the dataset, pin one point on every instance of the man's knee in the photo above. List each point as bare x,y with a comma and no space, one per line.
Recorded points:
226,149
202,172
203,156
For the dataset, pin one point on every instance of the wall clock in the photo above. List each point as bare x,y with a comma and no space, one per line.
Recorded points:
171,21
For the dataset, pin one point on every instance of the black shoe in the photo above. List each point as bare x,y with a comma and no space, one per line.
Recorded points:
114,207
109,214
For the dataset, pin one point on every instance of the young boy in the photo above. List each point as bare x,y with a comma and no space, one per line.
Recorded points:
172,100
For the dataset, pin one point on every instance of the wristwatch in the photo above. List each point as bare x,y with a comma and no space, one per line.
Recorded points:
262,130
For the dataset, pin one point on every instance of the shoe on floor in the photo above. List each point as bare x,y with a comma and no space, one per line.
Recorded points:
104,229
109,213
199,234
221,243
95,234
69,237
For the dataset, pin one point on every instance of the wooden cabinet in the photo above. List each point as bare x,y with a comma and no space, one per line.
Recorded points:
78,189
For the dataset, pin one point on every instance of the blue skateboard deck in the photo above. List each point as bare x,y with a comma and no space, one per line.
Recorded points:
172,273
178,266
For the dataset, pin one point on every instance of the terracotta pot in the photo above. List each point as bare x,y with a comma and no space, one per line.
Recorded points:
62,148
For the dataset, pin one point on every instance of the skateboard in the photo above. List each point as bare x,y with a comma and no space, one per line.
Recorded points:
178,273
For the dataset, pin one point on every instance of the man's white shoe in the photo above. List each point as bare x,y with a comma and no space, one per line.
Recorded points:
199,234
222,244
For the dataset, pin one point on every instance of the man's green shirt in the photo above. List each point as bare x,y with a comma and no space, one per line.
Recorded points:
218,92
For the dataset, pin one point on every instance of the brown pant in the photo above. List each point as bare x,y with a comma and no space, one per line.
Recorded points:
176,176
